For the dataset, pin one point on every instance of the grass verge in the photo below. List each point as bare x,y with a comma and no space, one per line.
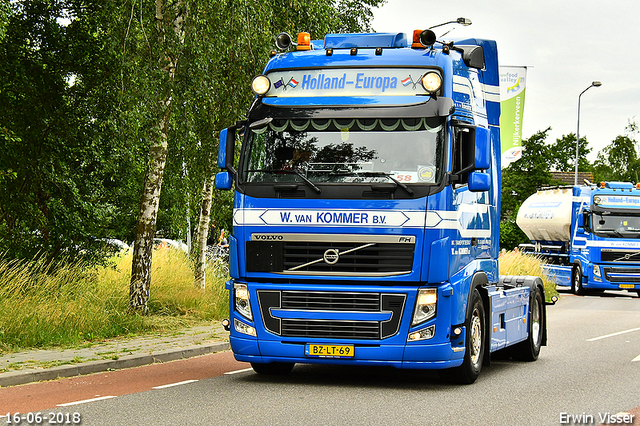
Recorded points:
67,303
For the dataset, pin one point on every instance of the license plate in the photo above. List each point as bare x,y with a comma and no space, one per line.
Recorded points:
329,351
627,286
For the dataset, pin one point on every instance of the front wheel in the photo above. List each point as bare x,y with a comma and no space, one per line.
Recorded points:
273,368
475,340
529,349
576,280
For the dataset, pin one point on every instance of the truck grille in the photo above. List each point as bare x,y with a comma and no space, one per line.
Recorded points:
622,275
342,255
623,256
331,329
331,301
321,305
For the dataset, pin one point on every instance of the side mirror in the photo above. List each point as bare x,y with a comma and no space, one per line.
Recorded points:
224,180
479,182
580,221
226,148
482,159
222,149
473,57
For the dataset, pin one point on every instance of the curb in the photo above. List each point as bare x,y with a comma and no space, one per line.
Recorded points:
13,378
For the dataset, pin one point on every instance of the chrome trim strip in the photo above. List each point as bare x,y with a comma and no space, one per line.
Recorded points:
334,238
344,274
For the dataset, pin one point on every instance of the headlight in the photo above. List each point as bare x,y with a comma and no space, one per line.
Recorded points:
425,306
241,300
431,82
260,85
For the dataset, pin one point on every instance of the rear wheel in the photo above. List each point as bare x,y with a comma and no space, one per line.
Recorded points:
475,340
576,280
273,368
529,349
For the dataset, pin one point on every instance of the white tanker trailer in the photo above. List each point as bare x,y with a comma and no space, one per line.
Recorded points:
588,235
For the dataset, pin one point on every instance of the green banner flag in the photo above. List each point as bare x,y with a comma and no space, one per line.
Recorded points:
512,88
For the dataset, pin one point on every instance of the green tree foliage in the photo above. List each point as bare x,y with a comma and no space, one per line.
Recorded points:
55,104
562,154
618,161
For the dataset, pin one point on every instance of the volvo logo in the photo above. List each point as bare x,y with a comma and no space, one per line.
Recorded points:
331,256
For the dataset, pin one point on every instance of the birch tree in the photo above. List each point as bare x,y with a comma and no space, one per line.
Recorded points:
170,20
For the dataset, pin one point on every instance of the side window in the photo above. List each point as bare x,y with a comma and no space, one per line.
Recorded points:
463,152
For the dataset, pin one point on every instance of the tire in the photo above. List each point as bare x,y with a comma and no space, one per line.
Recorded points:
576,280
528,350
273,368
475,341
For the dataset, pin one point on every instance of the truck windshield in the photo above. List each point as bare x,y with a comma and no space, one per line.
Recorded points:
616,225
406,150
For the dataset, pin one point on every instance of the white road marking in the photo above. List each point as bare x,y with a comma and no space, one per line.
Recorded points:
84,401
636,359
612,334
239,371
174,384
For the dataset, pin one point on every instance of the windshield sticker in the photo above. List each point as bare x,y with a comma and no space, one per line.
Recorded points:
617,201
351,82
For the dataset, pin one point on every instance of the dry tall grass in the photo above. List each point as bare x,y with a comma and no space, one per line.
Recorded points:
516,263
66,303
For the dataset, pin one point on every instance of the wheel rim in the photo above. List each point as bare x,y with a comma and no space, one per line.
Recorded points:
535,321
476,337
576,280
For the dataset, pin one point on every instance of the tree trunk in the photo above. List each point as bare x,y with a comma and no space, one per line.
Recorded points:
146,226
148,214
203,233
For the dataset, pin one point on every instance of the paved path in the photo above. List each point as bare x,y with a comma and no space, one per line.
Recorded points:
18,368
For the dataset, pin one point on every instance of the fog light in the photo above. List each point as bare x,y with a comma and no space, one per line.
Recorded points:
244,328
424,334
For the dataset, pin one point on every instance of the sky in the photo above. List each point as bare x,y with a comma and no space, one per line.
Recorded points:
565,45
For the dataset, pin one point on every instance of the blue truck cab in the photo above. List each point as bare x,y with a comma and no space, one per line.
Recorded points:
366,210
588,234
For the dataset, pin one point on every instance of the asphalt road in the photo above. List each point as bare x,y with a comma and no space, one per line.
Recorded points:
590,367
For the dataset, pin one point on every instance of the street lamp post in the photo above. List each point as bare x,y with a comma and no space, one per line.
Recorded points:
593,84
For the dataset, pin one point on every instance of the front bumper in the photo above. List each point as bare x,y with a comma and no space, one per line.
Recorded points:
410,356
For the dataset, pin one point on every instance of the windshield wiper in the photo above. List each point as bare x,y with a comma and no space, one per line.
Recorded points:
615,232
375,174
290,172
